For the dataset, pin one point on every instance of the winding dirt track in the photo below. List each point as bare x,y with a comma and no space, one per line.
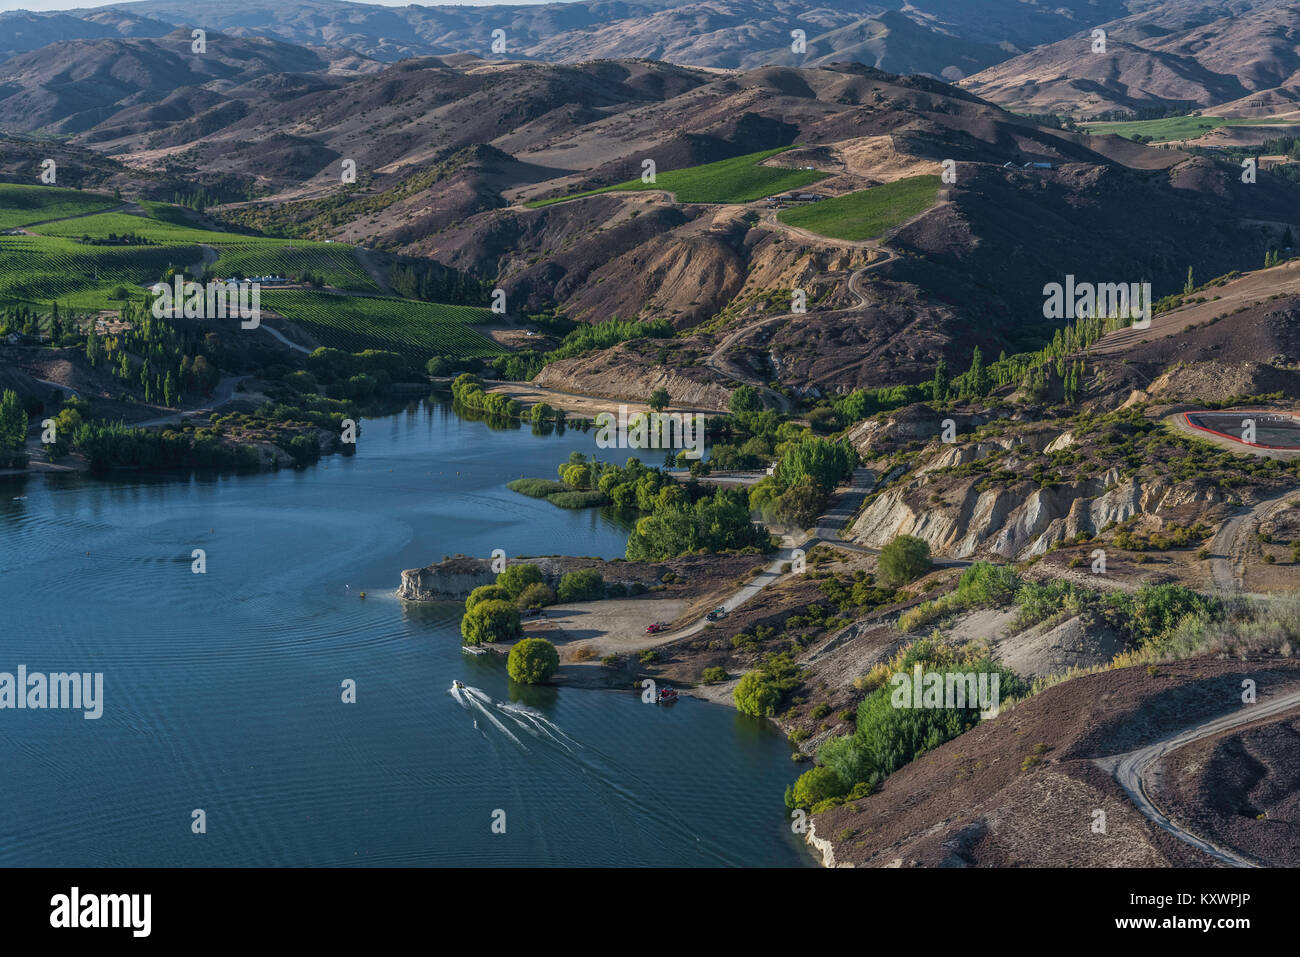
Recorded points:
1131,770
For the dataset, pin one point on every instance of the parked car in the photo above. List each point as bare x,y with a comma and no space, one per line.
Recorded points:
717,614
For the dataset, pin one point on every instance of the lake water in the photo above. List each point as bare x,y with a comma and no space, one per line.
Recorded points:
223,690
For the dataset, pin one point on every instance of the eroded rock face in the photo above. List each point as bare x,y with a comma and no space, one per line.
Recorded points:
1022,520
824,847
619,375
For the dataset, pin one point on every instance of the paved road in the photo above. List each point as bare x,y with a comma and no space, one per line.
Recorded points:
1132,770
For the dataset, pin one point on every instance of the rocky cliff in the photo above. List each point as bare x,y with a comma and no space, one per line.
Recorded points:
454,578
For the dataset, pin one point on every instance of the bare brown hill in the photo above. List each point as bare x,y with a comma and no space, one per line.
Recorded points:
1144,66
1022,789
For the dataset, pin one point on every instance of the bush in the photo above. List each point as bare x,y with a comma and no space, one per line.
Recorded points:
486,593
537,487
759,692
583,584
904,559
532,661
815,785
571,499
713,676
490,620
536,595
518,577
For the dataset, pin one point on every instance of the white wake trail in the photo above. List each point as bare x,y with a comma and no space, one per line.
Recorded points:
542,723
474,700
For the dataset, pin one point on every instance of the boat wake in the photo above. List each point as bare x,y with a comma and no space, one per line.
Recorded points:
527,719
538,725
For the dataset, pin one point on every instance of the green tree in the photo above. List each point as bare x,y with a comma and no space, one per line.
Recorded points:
13,421
518,577
490,620
906,558
532,661
744,399
942,382
978,380
658,399
1190,284
486,593
755,695
824,461
800,504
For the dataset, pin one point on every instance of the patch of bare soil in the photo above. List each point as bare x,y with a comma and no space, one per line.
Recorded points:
1021,789
1240,789
613,626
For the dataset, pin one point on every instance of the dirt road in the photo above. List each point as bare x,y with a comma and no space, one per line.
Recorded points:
1136,770
1228,547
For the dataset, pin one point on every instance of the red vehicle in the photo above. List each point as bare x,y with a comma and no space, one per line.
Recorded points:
657,627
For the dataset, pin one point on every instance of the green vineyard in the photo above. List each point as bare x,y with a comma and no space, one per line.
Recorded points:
737,180
39,270
418,330
102,225
333,263
24,205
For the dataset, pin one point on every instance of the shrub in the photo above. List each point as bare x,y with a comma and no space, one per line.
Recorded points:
759,692
537,487
532,661
584,584
490,620
586,499
536,595
714,675
518,577
904,559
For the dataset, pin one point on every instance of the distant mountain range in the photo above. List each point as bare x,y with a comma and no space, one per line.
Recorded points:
941,37
1156,61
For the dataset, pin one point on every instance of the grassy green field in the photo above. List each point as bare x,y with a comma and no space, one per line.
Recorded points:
23,205
735,180
1175,127
868,213
415,329
38,270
